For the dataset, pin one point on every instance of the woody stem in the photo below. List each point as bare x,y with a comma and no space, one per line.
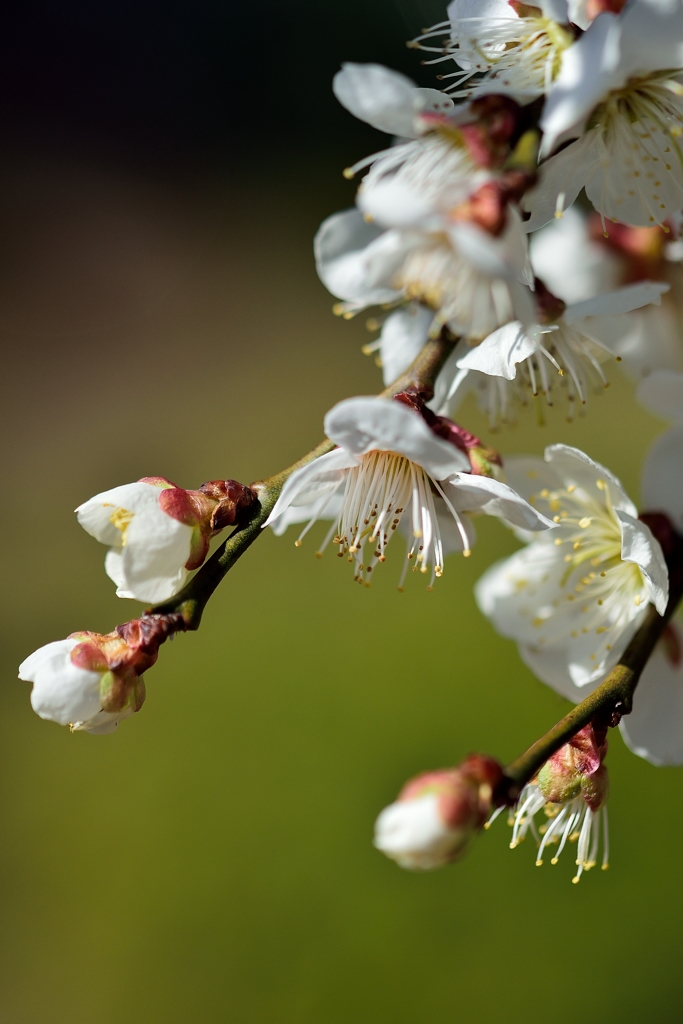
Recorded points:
605,705
188,605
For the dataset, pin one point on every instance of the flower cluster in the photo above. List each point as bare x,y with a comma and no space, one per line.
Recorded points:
486,273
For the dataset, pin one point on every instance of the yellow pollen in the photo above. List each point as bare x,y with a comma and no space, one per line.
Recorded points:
121,518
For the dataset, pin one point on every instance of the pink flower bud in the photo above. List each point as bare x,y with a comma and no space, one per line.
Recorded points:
438,813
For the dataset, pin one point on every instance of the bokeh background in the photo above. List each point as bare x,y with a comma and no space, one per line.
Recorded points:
164,167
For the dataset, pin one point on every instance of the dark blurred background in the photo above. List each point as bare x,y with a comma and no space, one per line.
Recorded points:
164,168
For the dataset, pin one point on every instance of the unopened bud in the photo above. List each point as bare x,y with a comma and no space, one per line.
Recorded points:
437,814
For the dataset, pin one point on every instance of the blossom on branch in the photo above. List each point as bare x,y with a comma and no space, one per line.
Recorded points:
571,789
566,345
436,815
395,459
619,94
91,682
515,47
157,532
573,599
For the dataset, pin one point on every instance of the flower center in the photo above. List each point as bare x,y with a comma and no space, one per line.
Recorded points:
121,518
378,494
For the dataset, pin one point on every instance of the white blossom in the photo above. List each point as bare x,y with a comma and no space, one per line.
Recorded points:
470,280
515,48
619,94
148,549
572,600
569,350
390,464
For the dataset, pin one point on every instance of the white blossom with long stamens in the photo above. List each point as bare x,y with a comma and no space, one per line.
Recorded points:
472,282
390,465
516,52
572,822
426,163
574,599
570,350
619,93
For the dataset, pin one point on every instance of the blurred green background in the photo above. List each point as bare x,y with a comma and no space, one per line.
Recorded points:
212,860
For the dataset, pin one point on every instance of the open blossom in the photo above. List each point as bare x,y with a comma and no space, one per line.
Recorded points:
567,345
574,599
571,789
92,682
619,94
515,47
470,281
391,463
157,532
423,163
437,814
577,262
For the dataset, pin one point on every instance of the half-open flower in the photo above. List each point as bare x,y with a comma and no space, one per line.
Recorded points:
157,532
390,463
619,94
573,599
91,682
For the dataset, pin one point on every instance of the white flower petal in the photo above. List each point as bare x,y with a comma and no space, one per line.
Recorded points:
638,545
570,262
327,507
313,481
361,425
563,175
556,10
375,94
499,354
662,482
588,72
412,833
153,559
404,335
621,300
662,394
575,467
95,515
654,729
62,692
354,259
470,493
